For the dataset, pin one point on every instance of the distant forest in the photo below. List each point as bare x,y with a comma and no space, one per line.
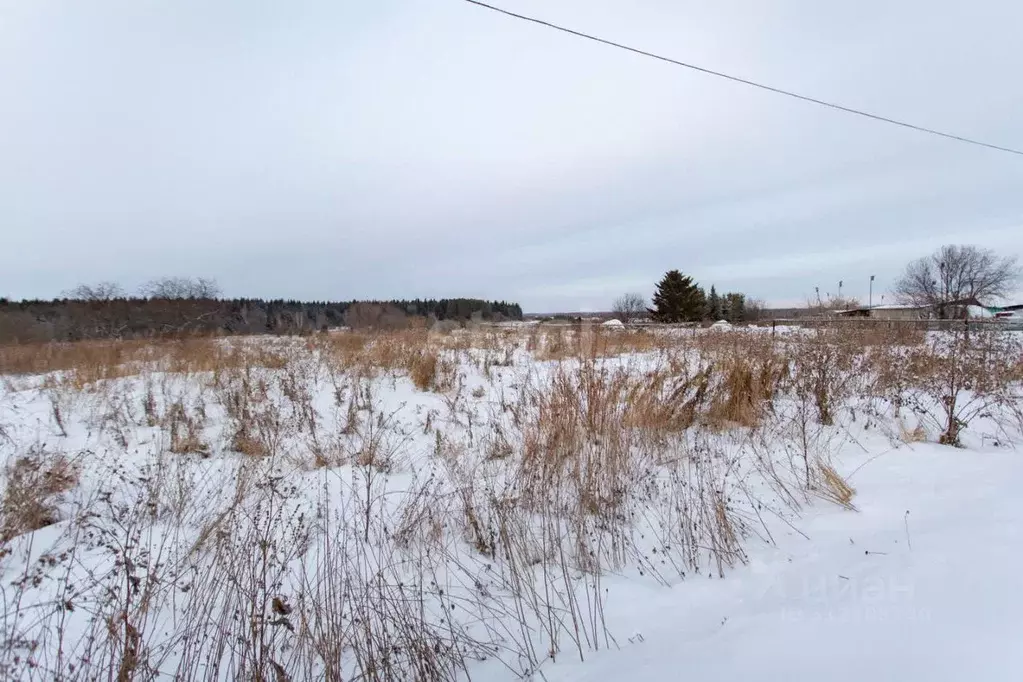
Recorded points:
72,319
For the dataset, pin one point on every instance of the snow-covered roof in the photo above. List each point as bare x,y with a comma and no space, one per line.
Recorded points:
898,306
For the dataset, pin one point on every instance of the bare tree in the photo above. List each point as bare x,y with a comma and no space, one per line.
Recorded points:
754,310
958,273
101,291
627,307
181,287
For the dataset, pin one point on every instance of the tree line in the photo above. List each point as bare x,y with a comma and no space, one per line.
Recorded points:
102,312
678,298
941,285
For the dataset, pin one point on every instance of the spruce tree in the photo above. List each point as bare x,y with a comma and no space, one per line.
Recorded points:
735,305
677,299
714,305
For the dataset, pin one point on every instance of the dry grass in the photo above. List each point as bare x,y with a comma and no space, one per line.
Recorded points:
832,487
415,352
423,370
186,435
81,363
751,380
87,363
586,341
656,452
32,485
915,435
891,335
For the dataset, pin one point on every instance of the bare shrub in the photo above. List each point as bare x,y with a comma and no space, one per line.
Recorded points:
955,378
101,291
181,287
825,368
628,307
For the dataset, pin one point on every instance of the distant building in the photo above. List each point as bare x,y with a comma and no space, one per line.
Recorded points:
952,310
890,312
1009,312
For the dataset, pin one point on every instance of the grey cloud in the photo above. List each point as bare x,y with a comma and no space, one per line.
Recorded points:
331,150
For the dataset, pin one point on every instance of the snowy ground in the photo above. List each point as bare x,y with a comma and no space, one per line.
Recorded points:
921,583
361,476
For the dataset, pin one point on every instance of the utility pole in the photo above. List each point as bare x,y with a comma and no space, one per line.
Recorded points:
870,300
944,291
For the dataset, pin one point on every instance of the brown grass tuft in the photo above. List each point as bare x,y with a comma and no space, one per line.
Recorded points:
33,484
245,443
832,487
423,369
916,435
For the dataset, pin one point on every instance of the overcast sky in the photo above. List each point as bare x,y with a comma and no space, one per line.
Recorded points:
419,148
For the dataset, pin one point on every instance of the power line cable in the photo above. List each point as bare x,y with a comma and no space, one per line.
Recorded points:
744,81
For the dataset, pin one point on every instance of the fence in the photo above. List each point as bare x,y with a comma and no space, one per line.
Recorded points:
972,324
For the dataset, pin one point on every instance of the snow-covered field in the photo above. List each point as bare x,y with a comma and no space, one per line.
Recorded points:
591,504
